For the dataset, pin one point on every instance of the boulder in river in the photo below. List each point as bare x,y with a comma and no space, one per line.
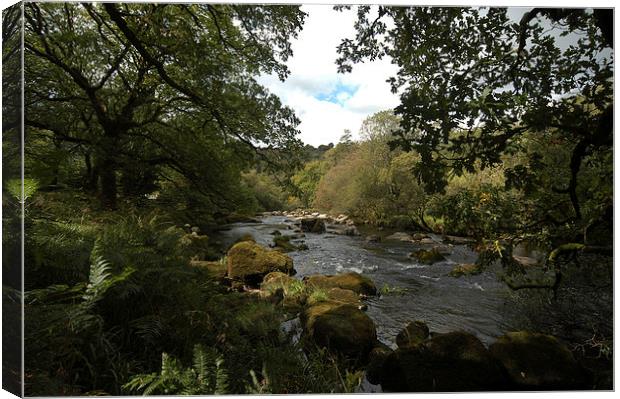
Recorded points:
399,236
458,240
341,328
250,262
428,256
538,362
344,230
465,269
335,295
373,238
348,281
313,225
291,290
451,362
413,334
376,360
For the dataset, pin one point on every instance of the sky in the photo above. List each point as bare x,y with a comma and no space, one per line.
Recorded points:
325,101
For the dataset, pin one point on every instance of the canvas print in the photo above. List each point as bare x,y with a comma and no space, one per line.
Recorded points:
227,198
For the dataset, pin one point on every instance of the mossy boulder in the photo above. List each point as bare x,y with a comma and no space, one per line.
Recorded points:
413,334
283,243
348,281
538,362
376,360
340,327
466,269
277,279
249,262
290,291
334,295
313,225
428,256
451,362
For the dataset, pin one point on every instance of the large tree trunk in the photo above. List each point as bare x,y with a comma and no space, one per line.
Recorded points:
107,183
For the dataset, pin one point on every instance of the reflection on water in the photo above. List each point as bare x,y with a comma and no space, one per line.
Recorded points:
478,304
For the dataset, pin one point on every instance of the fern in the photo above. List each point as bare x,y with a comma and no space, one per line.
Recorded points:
207,376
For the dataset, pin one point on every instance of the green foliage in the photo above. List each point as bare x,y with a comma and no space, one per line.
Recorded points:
14,187
306,181
206,376
265,189
487,90
478,213
146,95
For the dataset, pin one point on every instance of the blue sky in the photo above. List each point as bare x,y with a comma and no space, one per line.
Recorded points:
327,102
339,94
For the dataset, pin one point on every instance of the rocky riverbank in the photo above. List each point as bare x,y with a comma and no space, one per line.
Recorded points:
331,311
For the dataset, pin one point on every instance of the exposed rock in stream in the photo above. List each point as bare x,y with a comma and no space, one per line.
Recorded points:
428,256
313,225
538,362
413,334
451,362
350,281
340,327
249,262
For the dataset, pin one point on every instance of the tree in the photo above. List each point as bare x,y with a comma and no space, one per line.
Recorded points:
160,87
473,82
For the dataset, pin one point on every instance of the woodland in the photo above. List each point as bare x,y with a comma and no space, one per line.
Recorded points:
146,133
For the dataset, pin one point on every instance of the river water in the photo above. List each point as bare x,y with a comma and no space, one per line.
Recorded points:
481,304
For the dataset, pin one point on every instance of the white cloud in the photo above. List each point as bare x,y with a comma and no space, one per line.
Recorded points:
314,75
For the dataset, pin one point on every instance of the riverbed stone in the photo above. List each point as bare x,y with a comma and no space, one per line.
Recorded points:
450,362
373,238
313,225
399,236
250,262
413,334
428,256
349,281
376,361
419,236
465,269
341,295
340,327
537,361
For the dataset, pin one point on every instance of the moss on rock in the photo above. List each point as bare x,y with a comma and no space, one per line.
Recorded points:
451,362
250,262
413,334
313,225
466,269
428,256
348,281
538,362
341,328
335,295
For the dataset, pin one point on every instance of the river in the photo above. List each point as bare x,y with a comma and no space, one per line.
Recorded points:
480,304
